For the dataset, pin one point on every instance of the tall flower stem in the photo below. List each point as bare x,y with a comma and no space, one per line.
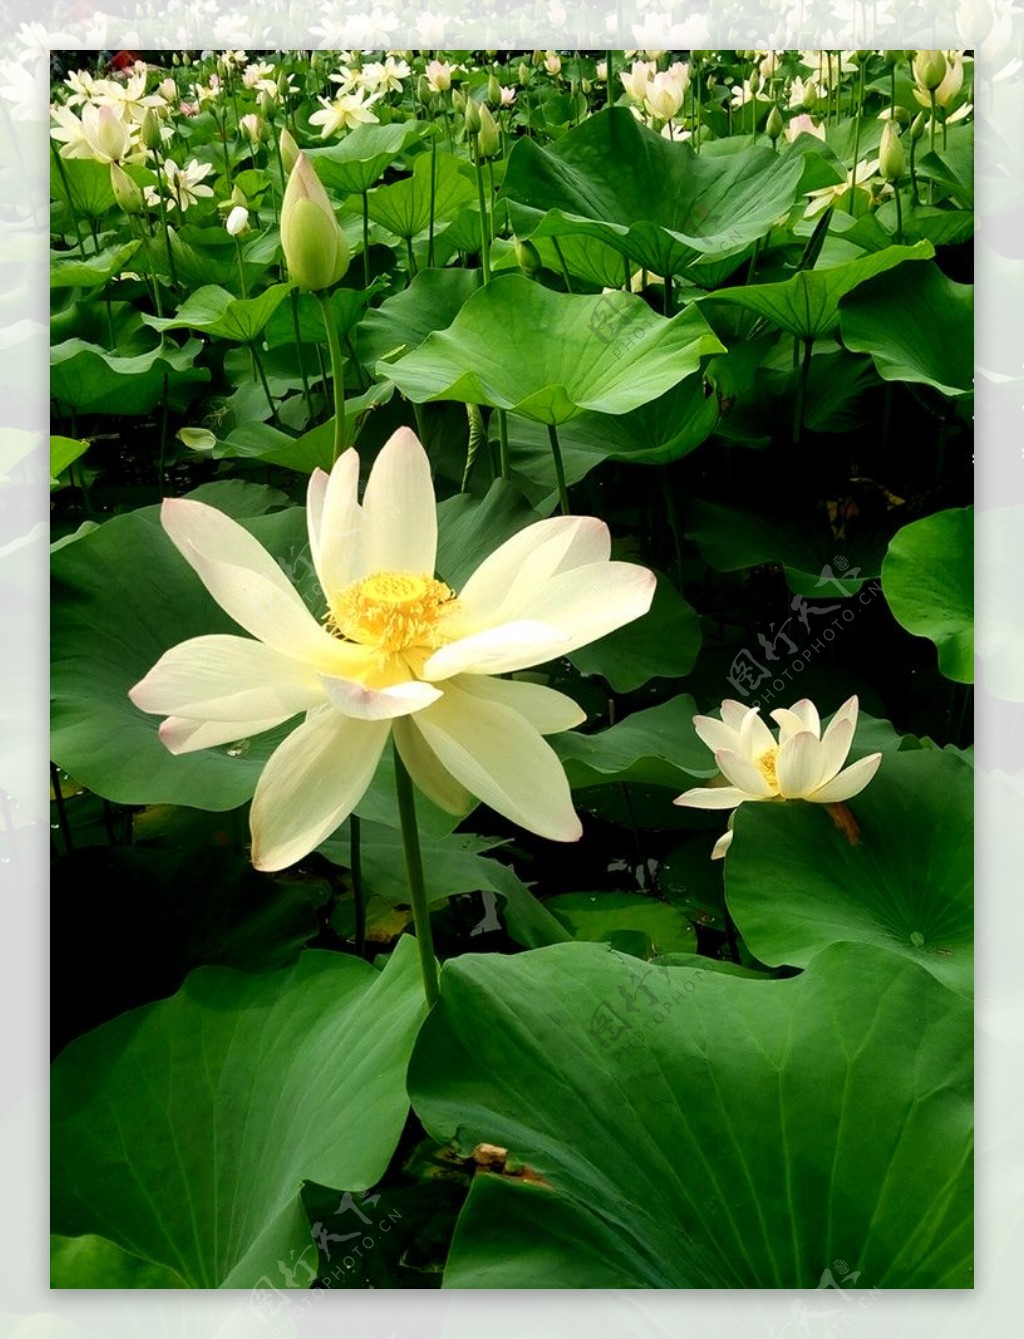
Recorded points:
414,871
485,235
366,240
503,444
298,351
358,895
337,373
433,196
62,171
801,392
556,453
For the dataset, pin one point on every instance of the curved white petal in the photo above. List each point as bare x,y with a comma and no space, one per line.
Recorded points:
224,678
847,712
755,737
181,735
548,711
733,712
802,715
798,765
507,578
849,782
399,511
512,646
739,771
311,783
426,770
356,699
834,748
500,758
716,734
721,846
712,797
335,522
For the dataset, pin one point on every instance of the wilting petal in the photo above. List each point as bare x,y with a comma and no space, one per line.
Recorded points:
180,735
849,782
712,797
716,734
502,760
548,711
426,771
513,646
721,846
311,783
798,765
335,522
355,699
223,678
802,715
754,736
742,773
399,511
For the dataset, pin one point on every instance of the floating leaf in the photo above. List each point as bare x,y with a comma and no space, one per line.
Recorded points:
90,380
928,580
663,643
215,311
354,164
615,918
90,271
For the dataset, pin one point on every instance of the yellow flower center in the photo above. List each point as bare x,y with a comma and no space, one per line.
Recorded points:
392,611
765,764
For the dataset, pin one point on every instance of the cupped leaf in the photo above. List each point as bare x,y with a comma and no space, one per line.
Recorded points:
183,1131
807,305
90,380
550,356
431,302
898,877
928,580
663,643
622,920
917,325
64,451
215,311
657,202
355,163
405,207
656,747
91,271
712,1131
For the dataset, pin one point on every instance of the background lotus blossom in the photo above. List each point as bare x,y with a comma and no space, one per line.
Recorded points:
398,653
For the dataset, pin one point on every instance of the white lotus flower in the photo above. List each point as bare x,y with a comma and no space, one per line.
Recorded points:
399,653
802,764
345,112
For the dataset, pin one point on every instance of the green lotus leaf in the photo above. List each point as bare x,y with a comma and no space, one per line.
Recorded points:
215,311
90,271
405,207
620,918
928,580
664,643
655,747
354,164
90,380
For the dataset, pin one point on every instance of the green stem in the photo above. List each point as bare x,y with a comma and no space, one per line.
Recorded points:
801,393
161,178
503,443
241,268
899,214
411,259
414,871
258,363
628,272
433,193
298,352
931,145
556,452
366,240
162,457
485,236
62,172
337,373
668,295
561,261
358,896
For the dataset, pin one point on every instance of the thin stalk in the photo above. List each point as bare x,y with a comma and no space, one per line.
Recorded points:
503,443
162,457
411,259
801,393
433,193
62,172
358,895
485,238
62,813
280,167
337,373
556,453
627,270
931,145
241,268
899,214
324,378
561,261
414,871
366,238
258,364
609,76
161,178
298,351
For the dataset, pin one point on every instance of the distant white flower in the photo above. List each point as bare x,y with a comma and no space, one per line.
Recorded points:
439,76
347,110
237,221
552,62
184,187
859,178
385,76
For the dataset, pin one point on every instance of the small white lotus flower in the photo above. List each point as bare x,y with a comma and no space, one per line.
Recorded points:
664,96
237,222
439,76
552,62
802,764
637,78
346,111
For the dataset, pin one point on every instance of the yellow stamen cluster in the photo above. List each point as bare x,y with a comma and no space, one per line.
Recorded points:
391,611
765,764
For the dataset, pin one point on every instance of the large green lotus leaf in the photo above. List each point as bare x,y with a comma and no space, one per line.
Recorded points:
795,883
64,451
731,540
217,312
655,747
183,1131
664,643
583,256
656,202
431,302
928,580
807,305
917,325
355,163
550,356
622,920
711,1131
122,595
404,208
90,380
93,1262
88,183
91,271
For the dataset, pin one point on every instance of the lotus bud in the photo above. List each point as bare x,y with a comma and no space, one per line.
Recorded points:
527,256
174,58
423,90
774,125
126,192
901,116
168,90
458,100
282,84
810,98
523,72
891,160
917,127
473,118
237,221
151,136
537,58
929,69
315,249
893,58
494,91
289,149
266,106
488,140
251,127
585,85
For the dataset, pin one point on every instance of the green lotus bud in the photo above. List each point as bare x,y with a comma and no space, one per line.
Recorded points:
810,98
473,118
289,149
527,256
774,125
585,85
901,116
537,58
892,58
250,127
493,91
126,192
929,69
423,90
266,106
488,140
458,100
891,161
151,136
918,125
315,249
523,72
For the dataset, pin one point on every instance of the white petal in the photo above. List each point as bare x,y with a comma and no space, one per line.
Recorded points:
311,783
742,773
834,748
335,522
721,846
716,734
849,782
506,579
426,770
733,713
501,759
802,715
399,511
755,737
512,646
798,765
223,678
712,797
847,712
355,699
179,735
548,711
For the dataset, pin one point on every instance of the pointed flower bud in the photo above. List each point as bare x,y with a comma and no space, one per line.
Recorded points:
151,136
289,149
251,127
891,160
488,140
494,91
929,69
774,125
237,221
528,256
473,119
918,125
126,192
315,249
